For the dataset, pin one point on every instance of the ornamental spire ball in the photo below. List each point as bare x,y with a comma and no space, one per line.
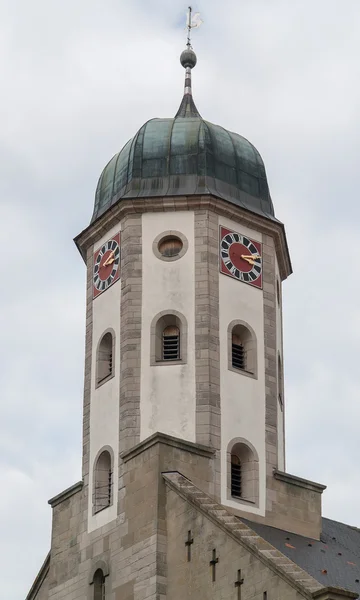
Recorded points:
188,58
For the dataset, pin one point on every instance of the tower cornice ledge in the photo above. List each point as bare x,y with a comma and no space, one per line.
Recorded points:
167,440
299,481
118,211
70,491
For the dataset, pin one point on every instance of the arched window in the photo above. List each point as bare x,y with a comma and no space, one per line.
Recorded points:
244,472
102,482
105,358
171,343
99,585
242,348
168,338
280,384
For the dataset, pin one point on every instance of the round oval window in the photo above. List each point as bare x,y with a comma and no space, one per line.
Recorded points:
170,246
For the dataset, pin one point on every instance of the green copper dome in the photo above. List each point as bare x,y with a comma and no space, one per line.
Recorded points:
184,156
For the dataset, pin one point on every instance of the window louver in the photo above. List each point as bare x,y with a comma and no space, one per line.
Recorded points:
171,344
236,478
238,356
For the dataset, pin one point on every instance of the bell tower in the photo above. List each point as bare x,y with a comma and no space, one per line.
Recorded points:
184,391
185,263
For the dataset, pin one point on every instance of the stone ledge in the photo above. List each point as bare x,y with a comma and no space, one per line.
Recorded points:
74,489
299,481
334,593
168,440
125,206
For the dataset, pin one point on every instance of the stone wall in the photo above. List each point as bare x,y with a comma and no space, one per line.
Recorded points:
132,548
194,579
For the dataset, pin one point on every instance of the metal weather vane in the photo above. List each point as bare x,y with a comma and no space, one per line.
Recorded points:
193,21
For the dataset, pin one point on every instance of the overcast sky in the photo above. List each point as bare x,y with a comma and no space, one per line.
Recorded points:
78,79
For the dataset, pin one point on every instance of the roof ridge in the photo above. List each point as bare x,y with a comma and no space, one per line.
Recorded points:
247,537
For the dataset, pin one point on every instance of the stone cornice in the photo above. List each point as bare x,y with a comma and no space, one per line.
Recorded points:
306,585
116,213
74,489
333,593
167,440
299,481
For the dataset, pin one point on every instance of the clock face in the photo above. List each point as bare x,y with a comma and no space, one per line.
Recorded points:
240,257
106,268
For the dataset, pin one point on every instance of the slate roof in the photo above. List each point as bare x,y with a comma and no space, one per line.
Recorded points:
333,561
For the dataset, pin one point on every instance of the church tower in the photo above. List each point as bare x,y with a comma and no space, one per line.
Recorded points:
185,264
184,394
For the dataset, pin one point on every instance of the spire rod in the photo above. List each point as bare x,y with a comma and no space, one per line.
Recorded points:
188,60
189,28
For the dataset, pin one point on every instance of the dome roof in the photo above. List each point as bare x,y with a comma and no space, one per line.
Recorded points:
183,156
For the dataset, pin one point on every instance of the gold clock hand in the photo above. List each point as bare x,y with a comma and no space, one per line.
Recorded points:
108,262
250,258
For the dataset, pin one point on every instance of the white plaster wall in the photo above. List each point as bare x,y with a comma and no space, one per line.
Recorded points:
104,404
279,349
168,391
242,397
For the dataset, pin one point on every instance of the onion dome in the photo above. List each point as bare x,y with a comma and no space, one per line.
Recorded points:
186,155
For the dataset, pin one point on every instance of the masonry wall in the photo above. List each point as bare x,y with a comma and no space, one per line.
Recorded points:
242,395
132,547
104,405
167,286
194,579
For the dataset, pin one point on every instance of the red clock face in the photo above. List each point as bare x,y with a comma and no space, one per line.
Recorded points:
106,268
240,257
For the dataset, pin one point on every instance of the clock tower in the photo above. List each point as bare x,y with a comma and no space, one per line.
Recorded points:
184,387
185,263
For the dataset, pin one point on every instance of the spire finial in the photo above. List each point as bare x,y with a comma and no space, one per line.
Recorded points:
188,23
188,60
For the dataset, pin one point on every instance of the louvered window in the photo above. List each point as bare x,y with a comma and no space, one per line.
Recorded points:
171,343
103,482
238,356
235,476
105,358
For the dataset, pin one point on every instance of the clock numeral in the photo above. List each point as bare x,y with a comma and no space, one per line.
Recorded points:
252,248
257,268
233,270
